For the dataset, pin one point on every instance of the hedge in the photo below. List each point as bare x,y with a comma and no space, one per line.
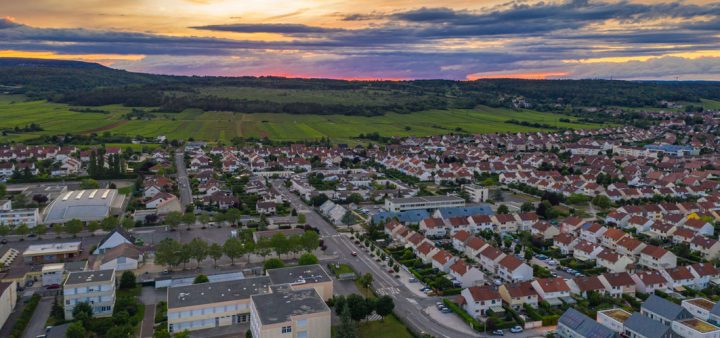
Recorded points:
451,292
474,323
532,312
22,322
550,320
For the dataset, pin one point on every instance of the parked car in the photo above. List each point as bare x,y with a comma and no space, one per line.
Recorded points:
439,305
497,282
498,333
516,329
354,253
413,280
445,310
53,286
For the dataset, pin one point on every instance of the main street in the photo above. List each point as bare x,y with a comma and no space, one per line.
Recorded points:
407,304
182,178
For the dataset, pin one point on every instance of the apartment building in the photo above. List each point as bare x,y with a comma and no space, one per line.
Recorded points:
425,202
289,313
304,277
96,288
8,300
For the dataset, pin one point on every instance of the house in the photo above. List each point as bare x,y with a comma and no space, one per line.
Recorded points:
680,277
571,224
698,307
490,257
433,227
480,222
592,232
480,299
443,260
704,273
505,223
655,257
582,285
474,246
114,238
694,327
650,281
266,208
613,319
612,261
708,247
426,251
663,311
640,326
459,239
611,236
618,283
574,324
630,246
700,226
466,275
639,223
565,242
586,251
544,230
516,295
551,290
159,199
120,258
511,269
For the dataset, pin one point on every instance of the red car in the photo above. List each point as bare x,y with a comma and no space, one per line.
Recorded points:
53,286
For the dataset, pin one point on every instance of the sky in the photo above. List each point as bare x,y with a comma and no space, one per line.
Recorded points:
375,39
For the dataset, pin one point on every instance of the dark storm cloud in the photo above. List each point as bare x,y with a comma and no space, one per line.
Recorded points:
268,28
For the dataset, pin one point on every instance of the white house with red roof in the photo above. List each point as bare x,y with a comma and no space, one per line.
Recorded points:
650,281
474,245
551,290
466,274
585,251
544,230
433,227
656,258
490,257
459,239
592,232
479,299
565,242
680,276
511,269
442,260
613,261
708,247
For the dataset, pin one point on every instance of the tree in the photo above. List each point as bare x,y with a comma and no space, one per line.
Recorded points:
185,254
73,227
3,190
233,248
503,209
173,219
602,201
280,243
128,280
57,310
527,207
263,247
233,215
188,218
93,226
384,306
215,251
273,263
359,308
4,230
307,259
76,330
89,184
348,218
110,223
82,312
40,229
347,328
366,280
201,279
528,253
167,252
128,223
301,218
198,249
310,241
22,230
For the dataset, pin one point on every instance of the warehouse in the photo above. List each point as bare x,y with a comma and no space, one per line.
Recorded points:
85,205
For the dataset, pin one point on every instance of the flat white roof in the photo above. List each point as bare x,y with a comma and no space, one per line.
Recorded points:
51,248
53,267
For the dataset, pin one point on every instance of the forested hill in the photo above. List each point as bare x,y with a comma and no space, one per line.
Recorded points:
89,84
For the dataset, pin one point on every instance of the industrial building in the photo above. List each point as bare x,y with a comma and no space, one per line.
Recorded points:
424,202
85,205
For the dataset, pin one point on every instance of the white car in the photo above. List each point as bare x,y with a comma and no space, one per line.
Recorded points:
516,329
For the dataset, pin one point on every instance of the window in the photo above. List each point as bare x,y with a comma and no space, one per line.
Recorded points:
302,323
286,329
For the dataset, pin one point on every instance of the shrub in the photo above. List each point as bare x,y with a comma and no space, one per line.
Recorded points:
550,320
22,322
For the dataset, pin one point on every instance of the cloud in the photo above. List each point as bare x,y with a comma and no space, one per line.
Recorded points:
268,28
7,23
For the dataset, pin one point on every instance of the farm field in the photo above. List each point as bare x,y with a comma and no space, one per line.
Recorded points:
223,126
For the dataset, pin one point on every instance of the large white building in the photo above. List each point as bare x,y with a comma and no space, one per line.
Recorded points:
424,202
477,193
96,288
85,205
14,217
289,313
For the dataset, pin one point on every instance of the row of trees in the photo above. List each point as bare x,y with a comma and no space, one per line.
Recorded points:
97,168
72,227
172,253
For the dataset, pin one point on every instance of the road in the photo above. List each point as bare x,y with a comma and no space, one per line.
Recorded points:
182,178
36,326
407,304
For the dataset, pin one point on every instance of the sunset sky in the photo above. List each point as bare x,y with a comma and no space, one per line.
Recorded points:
374,39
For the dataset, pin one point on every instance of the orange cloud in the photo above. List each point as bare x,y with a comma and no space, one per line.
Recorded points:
104,59
527,76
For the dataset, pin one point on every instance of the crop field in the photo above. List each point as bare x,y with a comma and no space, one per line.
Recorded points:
222,126
360,96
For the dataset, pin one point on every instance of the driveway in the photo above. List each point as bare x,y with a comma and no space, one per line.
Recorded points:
36,326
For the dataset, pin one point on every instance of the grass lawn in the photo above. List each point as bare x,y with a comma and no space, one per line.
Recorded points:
57,118
391,327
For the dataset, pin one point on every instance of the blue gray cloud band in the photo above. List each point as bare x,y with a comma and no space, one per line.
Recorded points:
413,43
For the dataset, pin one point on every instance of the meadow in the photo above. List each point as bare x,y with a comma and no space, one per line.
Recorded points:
57,118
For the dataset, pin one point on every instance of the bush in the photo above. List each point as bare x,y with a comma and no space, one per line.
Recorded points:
307,259
127,280
22,322
550,320
273,263
451,292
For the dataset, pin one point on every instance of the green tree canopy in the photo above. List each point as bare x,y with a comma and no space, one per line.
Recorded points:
307,259
273,263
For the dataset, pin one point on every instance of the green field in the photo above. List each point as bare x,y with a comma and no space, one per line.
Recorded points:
222,126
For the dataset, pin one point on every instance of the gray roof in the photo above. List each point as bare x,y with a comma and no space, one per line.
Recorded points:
85,205
283,303
716,309
83,277
420,199
299,275
214,292
664,308
584,325
75,266
646,326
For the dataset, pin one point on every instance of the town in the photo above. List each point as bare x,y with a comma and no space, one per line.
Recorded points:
576,233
